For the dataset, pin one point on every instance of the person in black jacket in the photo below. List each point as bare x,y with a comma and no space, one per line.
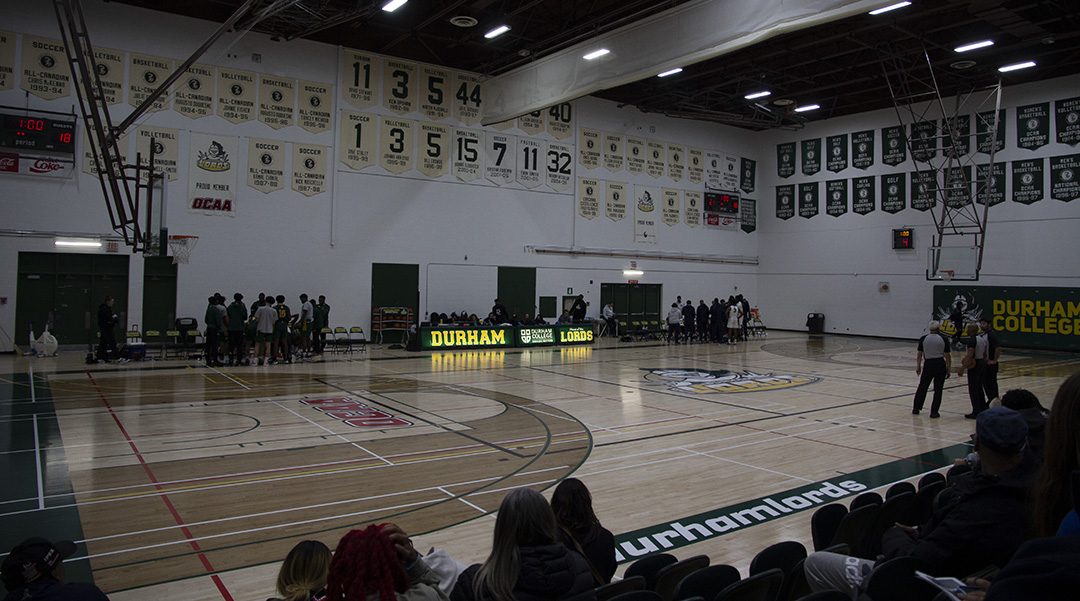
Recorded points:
581,530
527,561
702,321
579,309
689,316
716,320
107,320
34,570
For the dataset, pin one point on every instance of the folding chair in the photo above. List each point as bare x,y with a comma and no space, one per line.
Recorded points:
649,567
853,528
707,582
360,340
824,522
171,343
895,580
669,577
193,341
329,337
895,510
341,340
759,587
154,341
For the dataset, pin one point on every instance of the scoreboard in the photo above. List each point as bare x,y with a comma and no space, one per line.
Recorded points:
903,238
41,134
721,202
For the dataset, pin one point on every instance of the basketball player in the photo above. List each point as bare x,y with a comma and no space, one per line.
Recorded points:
237,313
932,364
734,320
281,332
303,325
265,320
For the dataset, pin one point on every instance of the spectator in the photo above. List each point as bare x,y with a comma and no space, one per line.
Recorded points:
609,317
564,318
302,576
716,320
540,321
674,318
107,320
34,571
579,309
573,509
993,354
265,321
237,314
322,321
500,311
1062,457
527,561
379,563
1027,404
215,323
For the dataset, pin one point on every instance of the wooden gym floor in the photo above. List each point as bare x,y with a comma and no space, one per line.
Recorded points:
195,482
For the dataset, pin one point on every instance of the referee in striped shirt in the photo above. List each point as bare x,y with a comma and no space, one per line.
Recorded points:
932,364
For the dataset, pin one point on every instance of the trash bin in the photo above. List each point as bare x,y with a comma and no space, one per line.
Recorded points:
815,322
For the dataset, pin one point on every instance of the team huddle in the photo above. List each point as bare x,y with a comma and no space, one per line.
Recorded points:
277,334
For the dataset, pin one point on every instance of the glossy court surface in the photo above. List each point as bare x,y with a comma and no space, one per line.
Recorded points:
197,481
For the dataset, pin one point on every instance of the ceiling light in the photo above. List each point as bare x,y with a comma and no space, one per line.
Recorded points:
498,31
78,243
974,46
807,107
783,102
757,95
393,5
886,9
596,54
1016,66
670,72
463,21
633,273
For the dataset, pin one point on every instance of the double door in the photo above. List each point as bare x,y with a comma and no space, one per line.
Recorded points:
632,302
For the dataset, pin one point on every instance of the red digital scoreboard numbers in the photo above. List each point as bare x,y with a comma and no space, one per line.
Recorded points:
903,238
22,132
721,202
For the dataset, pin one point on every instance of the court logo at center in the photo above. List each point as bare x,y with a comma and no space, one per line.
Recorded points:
700,381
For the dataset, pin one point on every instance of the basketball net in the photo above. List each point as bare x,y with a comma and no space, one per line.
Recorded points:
181,247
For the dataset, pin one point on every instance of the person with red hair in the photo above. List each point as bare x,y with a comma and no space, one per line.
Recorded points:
379,563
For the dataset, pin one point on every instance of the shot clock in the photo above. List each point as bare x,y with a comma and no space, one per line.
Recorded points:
39,134
903,238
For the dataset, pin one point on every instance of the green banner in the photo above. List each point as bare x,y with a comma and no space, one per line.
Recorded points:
748,215
1027,180
836,197
893,193
535,336
893,146
808,200
1033,125
748,175
923,190
573,335
863,201
811,156
1067,115
994,189
838,153
1064,171
862,149
924,140
455,338
785,202
1027,317
958,186
785,159
957,134
984,125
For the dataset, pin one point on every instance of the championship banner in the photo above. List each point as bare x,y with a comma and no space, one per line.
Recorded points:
645,201
560,121
862,200
145,74
694,200
533,123
528,164
729,174
893,146
1022,317
676,161
984,125
434,149
396,148
45,71
466,152
560,166
358,136
277,101
635,154
785,202
748,215
1033,125
811,156
654,161
588,197
672,206
958,130
994,189
359,72
1027,181
589,148
808,200
1066,113
923,190
836,197
399,86
837,147
785,159
7,61
695,168
166,148
862,149
193,95
893,194
714,170
309,168
266,165
315,104
613,152
110,68
434,92
1064,171
211,174
615,200
501,152
748,177
236,95
958,186
924,144
468,98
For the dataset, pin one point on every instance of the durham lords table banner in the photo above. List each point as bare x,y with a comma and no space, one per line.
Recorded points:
1028,317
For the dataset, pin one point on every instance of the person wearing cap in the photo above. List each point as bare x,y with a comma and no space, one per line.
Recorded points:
981,521
932,364
34,571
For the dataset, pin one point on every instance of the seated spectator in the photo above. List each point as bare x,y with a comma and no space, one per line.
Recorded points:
514,320
540,321
379,563
573,509
302,576
1043,569
1062,457
982,523
1027,404
474,320
491,320
527,561
526,321
434,318
564,319
34,570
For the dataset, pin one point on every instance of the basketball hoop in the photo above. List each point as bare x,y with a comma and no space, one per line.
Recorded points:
947,274
181,247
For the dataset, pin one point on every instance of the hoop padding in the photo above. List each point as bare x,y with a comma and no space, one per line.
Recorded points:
181,247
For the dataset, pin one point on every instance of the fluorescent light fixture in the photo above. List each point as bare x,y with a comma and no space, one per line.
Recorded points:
886,9
633,273
1016,66
670,72
78,243
974,46
393,5
757,95
808,107
498,31
596,54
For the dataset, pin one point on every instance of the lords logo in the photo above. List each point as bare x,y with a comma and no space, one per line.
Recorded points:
355,413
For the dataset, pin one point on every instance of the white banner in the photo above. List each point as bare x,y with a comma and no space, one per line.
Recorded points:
654,161
635,154
729,175
434,149
676,155
531,123
315,105
560,166
468,98
645,202
588,198
672,206
166,148
236,95
110,67
589,148
309,168
266,164
145,74
501,152
277,101
399,86
695,169
615,200
693,207
560,121
467,148
194,93
212,174
435,94
359,74
530,152
358,135
45,71
7,60
396,150
713,170
613,151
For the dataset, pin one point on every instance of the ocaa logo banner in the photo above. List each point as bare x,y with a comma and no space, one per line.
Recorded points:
698,381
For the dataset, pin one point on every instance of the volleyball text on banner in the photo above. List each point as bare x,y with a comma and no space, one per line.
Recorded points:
560,121
359,74
7,61
713,170
309,168
399,86
811,156
646,199
433,149
635,154
1066,114
236,95
315,106
613,152
863,200
957,136
924,138
468,98
615,200
836,197
466,152
862,149
45,71
893,194
166,149
266,165
654,159
995,191
1064,171
672,203
958,186
984,125
559,166
110,68
695,165
694,199
358,139
837,149
212,174
434,92
785,159
396,145
531,123
748,177
748,215
277,101
809,202
589,148
1033,125
893,146
193,94
729,174
500,152
676,161
923,186
1027,180
588,197
529,153
785,202
145,74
